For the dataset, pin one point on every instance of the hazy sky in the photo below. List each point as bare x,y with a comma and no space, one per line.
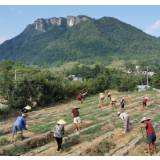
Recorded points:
15,18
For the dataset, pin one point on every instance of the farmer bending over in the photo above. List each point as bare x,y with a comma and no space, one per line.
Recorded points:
151,136
76,118
19,124
122,103
83,95
145,101
109,96
25,110
125,118
79,96
113,102
101,98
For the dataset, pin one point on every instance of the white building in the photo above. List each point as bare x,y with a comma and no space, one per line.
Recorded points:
142,87
75,78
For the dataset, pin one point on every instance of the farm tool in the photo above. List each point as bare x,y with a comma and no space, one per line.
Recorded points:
144,144
31,131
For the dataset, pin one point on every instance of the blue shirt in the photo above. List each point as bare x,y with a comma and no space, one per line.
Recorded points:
20,122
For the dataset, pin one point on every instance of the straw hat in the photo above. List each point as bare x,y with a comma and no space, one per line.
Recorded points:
118,113
28,107
146,98
124,98
75,107
101,95
145,119
61,121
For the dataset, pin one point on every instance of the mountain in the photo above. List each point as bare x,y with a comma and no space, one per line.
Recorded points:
57,41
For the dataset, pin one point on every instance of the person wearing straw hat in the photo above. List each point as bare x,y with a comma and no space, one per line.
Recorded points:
145,101
122,103
19,124
109,96
77,118
151,136
101,98
113,102
125,118
59,133
25,110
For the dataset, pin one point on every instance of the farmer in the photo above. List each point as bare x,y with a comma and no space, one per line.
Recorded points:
19,124
125,118
83,95
101,98
113,102
79,96
106,92
25,110
59,133
76,118
122,103
151,136
145,101
109,96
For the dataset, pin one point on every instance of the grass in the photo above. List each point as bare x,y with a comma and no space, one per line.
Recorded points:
66,146
18,138
90,138
119,125
14,151
4,141
92,130
156,118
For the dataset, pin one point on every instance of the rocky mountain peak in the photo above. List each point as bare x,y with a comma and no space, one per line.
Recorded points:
70,20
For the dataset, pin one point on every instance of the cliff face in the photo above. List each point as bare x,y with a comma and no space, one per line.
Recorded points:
70,20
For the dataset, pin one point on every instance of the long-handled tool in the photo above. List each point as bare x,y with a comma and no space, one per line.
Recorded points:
32,131
143,143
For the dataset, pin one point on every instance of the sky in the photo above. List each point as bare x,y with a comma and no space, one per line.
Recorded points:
14,17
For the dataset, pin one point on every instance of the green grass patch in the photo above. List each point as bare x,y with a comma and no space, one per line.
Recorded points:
119,125
90,138
92,130
4,141
156,118
66,146
15,151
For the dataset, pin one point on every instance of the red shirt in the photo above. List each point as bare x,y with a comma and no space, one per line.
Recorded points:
149,127
144,100
75,113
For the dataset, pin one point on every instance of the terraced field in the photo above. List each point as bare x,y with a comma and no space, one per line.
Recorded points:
101,128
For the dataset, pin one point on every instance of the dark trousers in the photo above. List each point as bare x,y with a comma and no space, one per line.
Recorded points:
59,143
144,104
122,105
109,96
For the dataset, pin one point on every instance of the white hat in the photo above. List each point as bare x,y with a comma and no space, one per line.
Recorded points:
145,119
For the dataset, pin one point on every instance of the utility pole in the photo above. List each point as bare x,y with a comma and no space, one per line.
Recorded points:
15,77
15,74
147,77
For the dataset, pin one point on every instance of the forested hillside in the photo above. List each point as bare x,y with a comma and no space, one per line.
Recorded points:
105,40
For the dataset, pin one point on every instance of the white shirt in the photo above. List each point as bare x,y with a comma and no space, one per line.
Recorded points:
123,116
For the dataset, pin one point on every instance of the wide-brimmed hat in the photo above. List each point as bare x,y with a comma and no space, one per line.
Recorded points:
146,98
124,98
61,121
28,107
75,107
118,113
145,119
